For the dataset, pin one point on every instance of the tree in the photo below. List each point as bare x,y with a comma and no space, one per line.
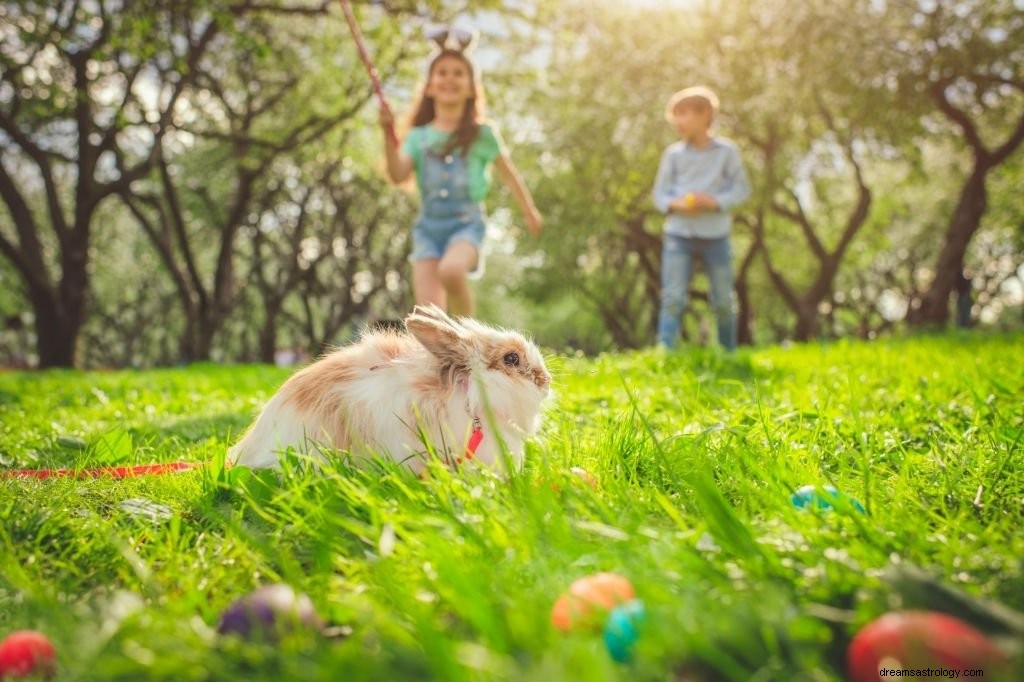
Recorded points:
960,64
790,80
83,84
266,96
329,252
133,317
593,164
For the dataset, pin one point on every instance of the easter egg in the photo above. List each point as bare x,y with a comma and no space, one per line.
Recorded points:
621,630
810,496
581,475
588,599
689,201
918,639
27,652
585,475
268,613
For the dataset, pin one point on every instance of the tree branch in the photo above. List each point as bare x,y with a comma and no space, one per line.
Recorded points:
29,259
177,223
1010,146
938,92
780,282
130,175
160,241
800,218
42,161
860,211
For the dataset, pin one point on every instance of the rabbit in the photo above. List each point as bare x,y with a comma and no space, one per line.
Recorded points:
442,376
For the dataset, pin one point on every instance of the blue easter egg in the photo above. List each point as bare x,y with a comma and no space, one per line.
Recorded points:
809,496
621,630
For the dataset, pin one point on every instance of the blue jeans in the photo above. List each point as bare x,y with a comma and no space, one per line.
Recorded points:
677,260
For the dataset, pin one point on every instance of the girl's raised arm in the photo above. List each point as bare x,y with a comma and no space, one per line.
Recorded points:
399,163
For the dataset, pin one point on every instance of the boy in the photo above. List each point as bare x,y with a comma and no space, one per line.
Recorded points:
700,180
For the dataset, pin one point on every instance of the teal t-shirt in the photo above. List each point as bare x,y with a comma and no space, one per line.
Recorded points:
482,153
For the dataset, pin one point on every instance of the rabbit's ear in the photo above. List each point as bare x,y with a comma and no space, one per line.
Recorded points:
445,338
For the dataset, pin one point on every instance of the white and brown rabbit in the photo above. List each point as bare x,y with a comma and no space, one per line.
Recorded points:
440,381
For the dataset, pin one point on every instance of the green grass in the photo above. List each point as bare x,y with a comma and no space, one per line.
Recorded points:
696,456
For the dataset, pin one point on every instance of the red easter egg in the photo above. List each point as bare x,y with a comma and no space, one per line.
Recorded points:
27,652
589,598
915,640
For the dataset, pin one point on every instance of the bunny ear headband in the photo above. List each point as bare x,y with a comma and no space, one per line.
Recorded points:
450,37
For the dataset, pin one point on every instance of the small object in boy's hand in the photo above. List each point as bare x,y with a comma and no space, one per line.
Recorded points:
588,599
27,652
622,629
809,496
690,201
919,639
268,613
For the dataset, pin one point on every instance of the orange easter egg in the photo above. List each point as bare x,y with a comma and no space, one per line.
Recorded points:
588,599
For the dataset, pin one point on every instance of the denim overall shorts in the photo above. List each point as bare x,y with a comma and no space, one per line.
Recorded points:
448,214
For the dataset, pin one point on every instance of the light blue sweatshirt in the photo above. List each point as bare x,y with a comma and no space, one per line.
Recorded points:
715,169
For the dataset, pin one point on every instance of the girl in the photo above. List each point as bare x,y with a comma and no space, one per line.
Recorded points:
451,150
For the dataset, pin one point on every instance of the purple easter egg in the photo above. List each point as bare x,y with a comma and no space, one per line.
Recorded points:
268,613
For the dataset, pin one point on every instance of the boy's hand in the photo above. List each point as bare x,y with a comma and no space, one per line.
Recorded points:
693,203
687,205
704,201
534,221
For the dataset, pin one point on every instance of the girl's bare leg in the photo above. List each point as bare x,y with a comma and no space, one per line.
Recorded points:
426,283
458,260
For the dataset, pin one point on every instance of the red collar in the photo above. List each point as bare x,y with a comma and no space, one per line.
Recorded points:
474,441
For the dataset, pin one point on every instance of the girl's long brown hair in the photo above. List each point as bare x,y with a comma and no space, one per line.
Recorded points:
472,114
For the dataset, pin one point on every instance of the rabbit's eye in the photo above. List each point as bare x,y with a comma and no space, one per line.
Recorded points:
511,359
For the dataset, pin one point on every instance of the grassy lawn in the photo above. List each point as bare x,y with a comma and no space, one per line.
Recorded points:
454,577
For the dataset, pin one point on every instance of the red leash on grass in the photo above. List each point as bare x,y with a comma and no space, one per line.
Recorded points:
157,469
105,472
357,35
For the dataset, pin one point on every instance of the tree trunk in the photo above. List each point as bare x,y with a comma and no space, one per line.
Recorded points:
59,314
934,303
204,339
807,323
745,311
268,333
189,341
55,339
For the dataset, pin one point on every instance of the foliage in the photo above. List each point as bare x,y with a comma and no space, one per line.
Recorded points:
834,142
453,576
200,124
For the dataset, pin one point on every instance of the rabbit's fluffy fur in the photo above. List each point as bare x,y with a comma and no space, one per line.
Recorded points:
393,390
